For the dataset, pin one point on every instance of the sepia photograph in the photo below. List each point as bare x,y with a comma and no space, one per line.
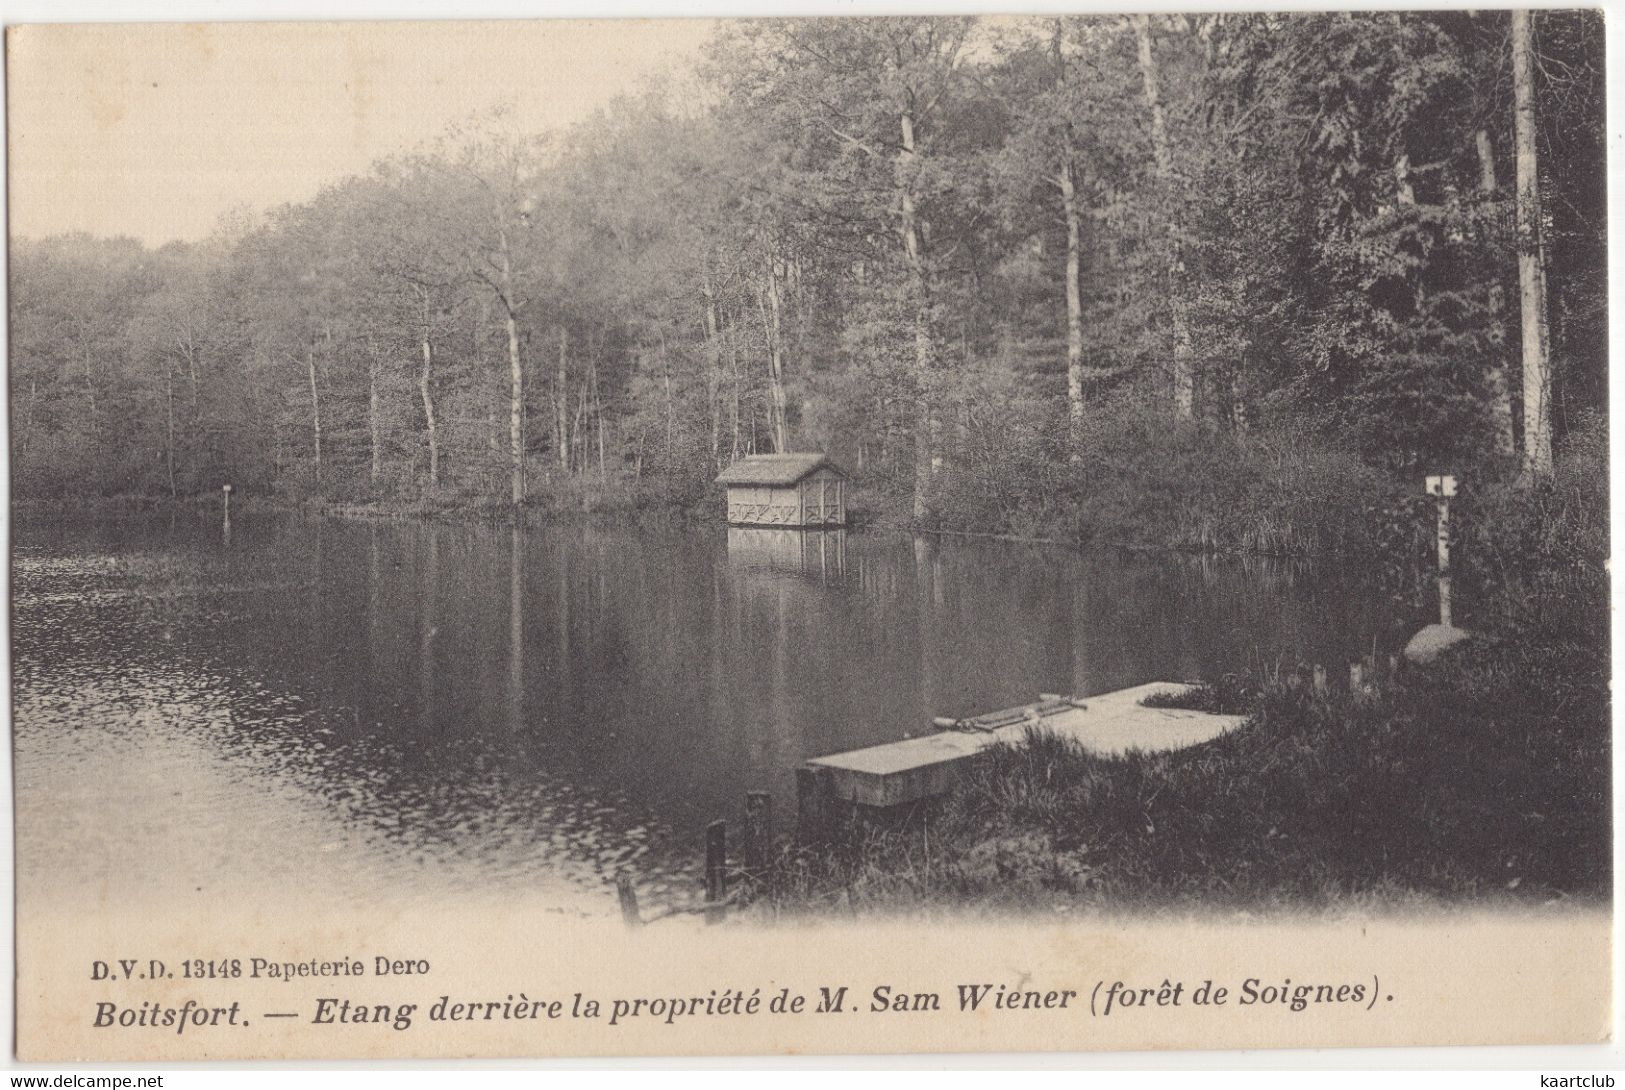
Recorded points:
632,536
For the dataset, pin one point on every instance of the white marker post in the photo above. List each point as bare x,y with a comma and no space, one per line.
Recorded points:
1442,488
225,528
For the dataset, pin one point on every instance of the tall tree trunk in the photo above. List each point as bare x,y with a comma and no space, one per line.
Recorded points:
713,374
561,399
431,422
1500,393
733,360
1184,377
191,367
1074,295
375,423
315,410
1067,180
428,628
1537,376
775,340
516,378
516,412
925,459
1238,397
169,424
90,386
477,327
516,629
597,401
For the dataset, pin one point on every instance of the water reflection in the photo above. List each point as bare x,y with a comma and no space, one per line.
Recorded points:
820,554
347,694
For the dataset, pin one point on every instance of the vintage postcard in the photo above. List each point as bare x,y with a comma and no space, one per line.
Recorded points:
826,534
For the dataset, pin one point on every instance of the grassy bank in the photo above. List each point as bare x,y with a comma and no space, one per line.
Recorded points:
1131,478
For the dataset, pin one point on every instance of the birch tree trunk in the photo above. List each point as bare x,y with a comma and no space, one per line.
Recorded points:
561,400
190,347
713,374
315,410
578,442
375,429
1537,377
733,361
1500,393
431,421
169,424
1066,179
516,376
1184,378
477,326
925,460
597,400
1074,295
775,339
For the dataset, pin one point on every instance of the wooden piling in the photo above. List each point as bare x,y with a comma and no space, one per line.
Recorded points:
628,896
716,870
758,832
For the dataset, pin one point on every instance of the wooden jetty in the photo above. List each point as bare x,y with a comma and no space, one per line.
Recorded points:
896,773
913,769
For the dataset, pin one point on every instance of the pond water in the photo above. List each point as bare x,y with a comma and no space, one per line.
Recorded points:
364,710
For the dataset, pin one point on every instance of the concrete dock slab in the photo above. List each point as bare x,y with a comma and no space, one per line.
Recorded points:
895,773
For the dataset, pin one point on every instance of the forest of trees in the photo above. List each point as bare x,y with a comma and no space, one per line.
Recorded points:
988,264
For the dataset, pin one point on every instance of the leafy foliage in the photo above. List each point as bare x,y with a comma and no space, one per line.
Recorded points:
853,235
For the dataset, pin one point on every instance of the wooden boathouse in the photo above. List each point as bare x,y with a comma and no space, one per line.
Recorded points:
785,490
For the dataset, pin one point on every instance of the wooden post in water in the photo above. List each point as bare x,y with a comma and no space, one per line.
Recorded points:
225,526
716,870
758,833
628,896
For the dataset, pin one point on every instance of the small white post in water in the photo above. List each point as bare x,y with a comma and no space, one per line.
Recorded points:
1442,488
225,527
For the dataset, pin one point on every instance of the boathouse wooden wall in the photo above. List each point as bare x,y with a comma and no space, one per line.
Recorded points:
819,499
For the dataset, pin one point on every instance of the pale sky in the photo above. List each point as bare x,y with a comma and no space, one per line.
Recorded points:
155,130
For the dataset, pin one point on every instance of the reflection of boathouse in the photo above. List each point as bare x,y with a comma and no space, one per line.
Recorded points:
785,490
819,553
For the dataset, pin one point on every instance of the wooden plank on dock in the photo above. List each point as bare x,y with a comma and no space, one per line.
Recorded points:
895,773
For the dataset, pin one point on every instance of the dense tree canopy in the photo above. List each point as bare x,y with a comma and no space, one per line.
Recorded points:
952,252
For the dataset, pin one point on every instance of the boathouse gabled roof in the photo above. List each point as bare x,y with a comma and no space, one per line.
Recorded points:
776,470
